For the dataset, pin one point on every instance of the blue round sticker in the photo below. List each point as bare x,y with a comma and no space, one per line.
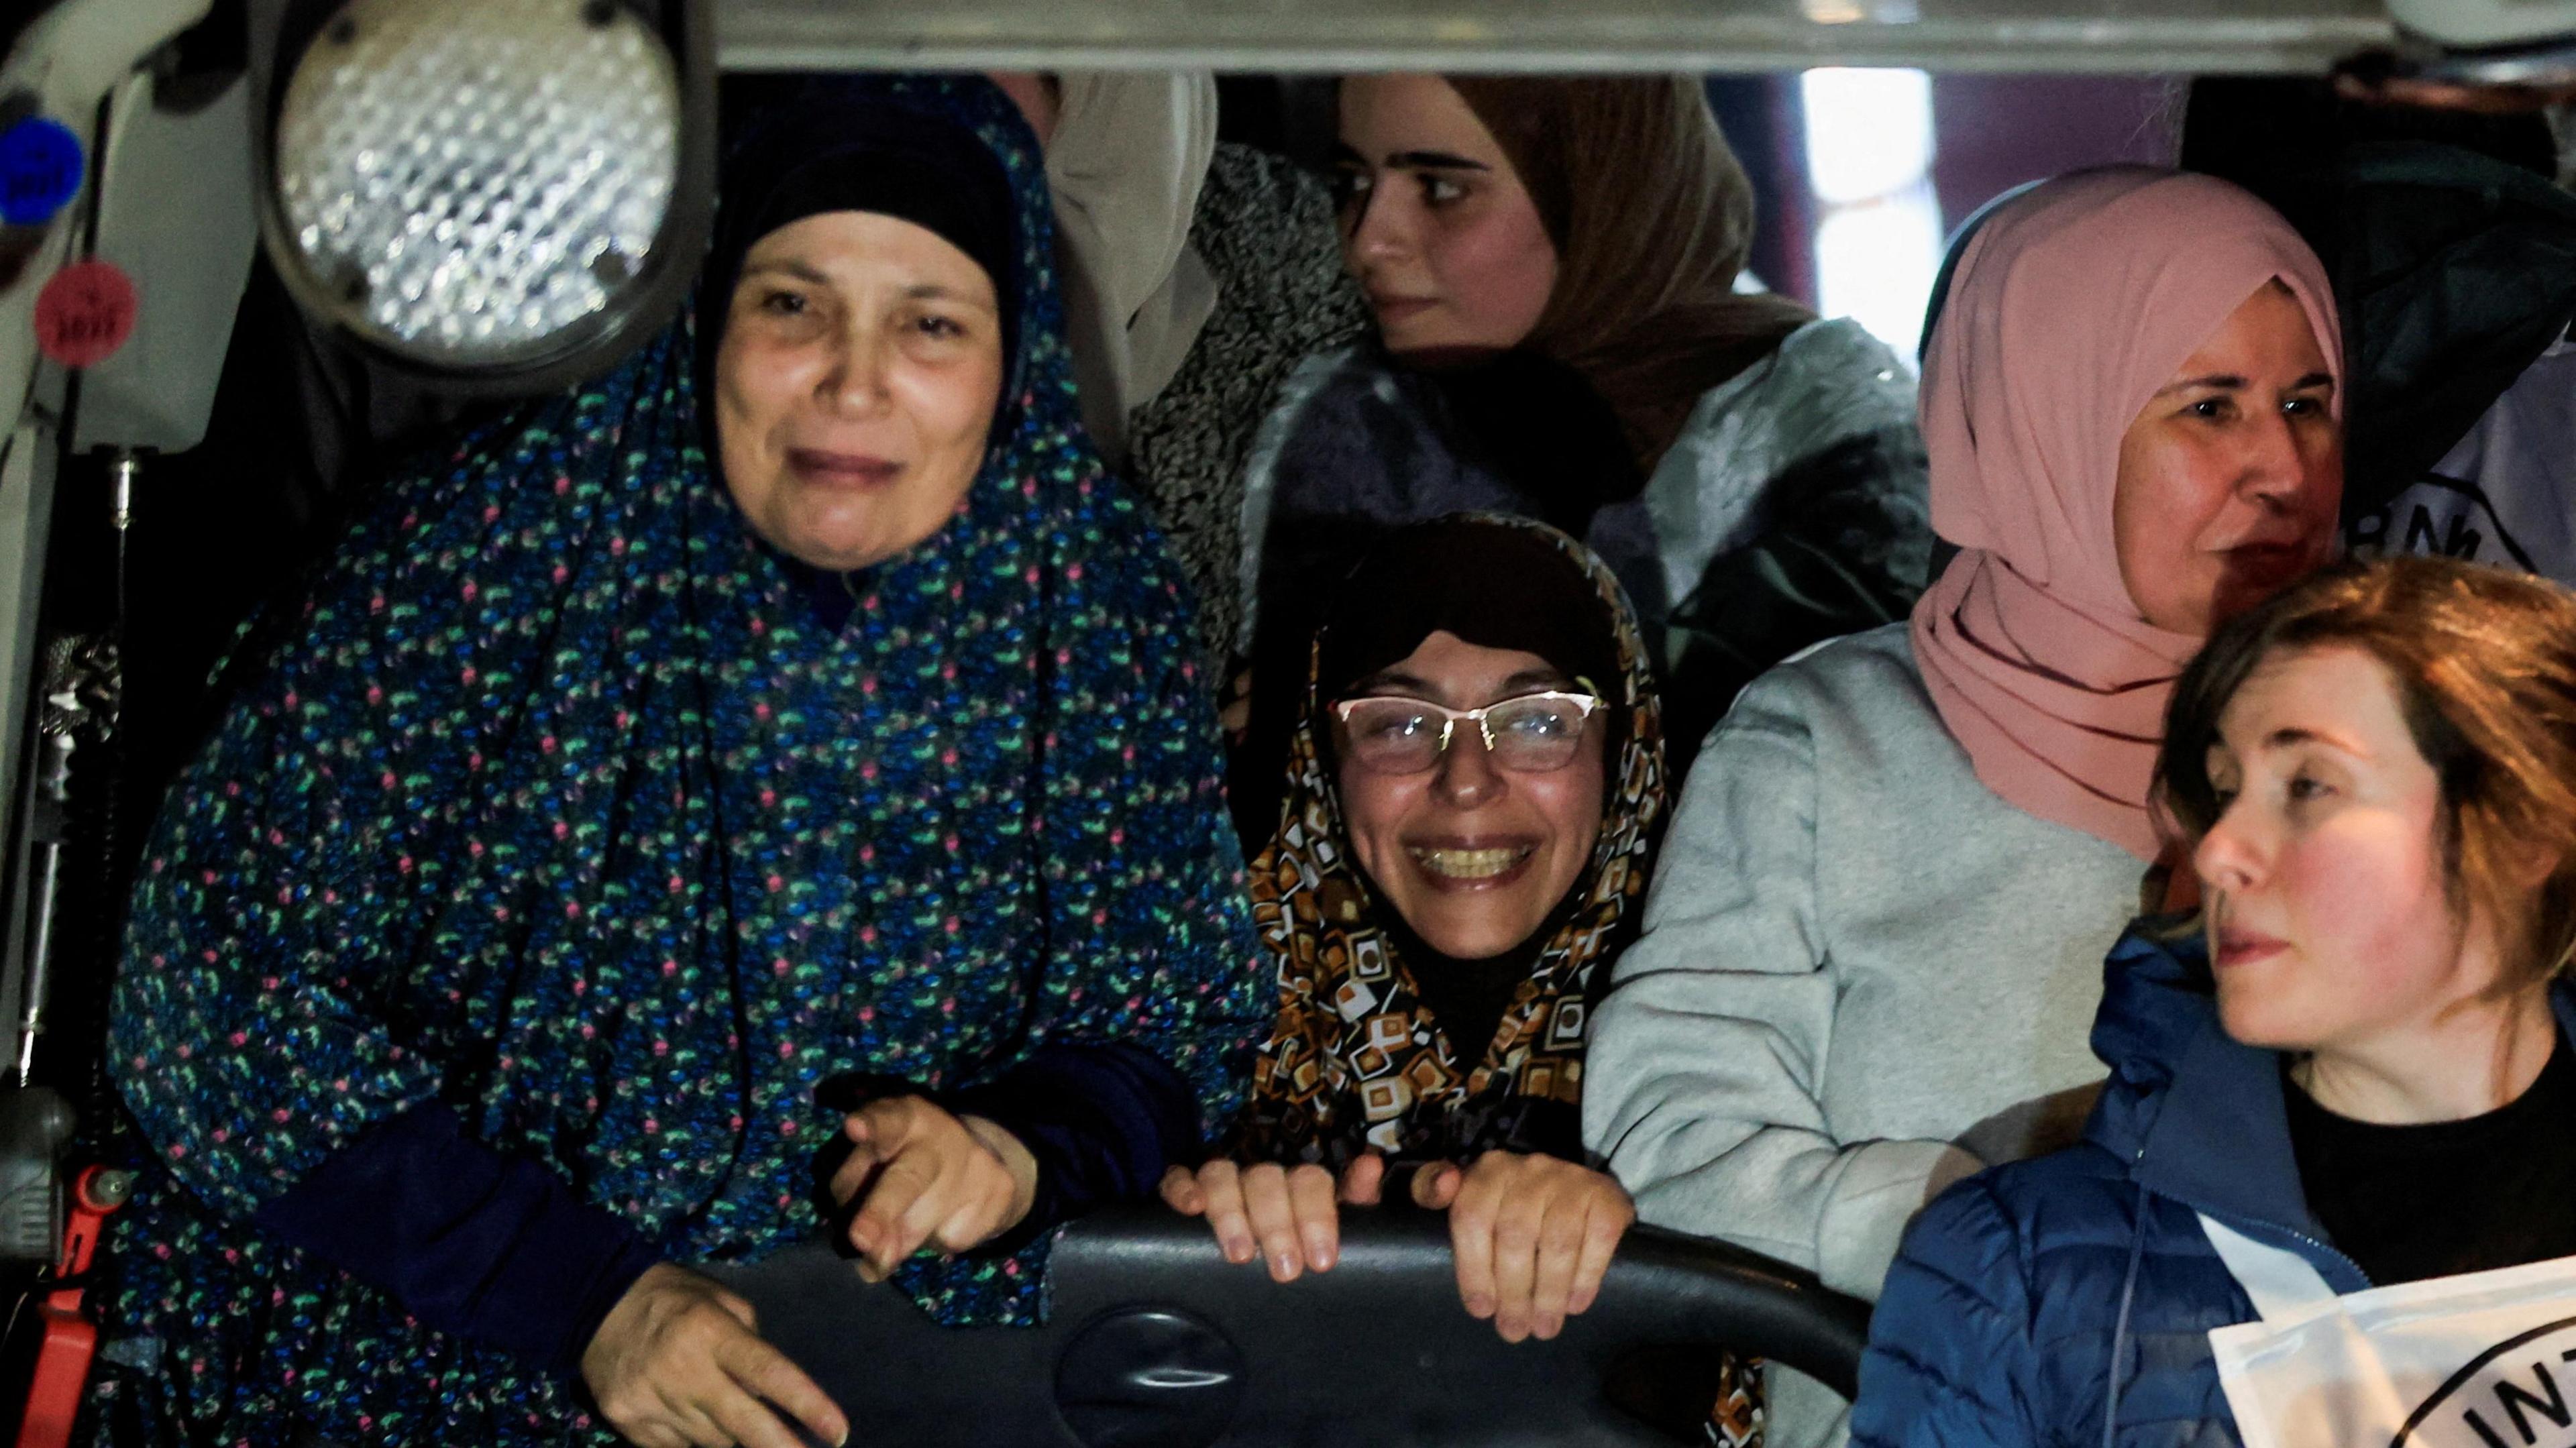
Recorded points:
40,169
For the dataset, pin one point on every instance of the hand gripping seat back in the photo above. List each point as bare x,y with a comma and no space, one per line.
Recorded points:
1153,1340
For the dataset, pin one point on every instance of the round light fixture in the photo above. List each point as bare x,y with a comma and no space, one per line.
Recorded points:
502,195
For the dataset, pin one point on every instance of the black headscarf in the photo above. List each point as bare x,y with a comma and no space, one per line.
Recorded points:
1495,586
794,147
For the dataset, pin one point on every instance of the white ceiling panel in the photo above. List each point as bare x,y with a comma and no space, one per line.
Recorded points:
1711,35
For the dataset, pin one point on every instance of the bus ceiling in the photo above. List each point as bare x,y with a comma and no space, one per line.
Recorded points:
2492,40
2483,40
1551,35
2500,40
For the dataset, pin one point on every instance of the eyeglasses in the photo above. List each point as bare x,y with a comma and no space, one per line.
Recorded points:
1529,734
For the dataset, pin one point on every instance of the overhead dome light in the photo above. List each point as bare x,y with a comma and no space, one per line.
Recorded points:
2484,23
499,195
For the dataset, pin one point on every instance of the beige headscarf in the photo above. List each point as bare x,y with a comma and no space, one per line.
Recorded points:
1128,158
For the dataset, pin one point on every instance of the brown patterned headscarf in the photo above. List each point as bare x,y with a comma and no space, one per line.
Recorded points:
1355,1062
1653,220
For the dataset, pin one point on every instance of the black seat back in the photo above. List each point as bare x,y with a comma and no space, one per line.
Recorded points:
1154,1340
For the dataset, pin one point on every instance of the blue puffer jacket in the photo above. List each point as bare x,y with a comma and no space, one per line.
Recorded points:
2068,1300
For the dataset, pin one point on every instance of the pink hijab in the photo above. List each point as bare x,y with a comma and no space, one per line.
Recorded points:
2069,309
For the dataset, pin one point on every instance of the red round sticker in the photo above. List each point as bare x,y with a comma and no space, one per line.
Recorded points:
85,313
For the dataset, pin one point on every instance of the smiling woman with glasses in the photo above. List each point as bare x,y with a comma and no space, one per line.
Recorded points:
1474,792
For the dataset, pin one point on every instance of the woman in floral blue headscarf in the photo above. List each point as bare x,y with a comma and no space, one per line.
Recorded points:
619,834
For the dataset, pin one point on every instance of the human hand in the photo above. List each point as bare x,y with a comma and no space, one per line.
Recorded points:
1288,1214
1532,1235
923,1177
1234,707
679,1363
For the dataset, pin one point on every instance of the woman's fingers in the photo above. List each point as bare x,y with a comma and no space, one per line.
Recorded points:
1562,1223
761,1371
1534,1237
1471,1241
1234,709
1604,1223
696,1426
876,1131
983,1208
930,1179
954,1190
1364,1180
679,1361
1274,1221
1436,1186
1319,1223
851,1177
1290,1217
878,1230
655,1433
1286,1217
1603,1227
739,1421
1180,1191
1221,1183
1516,1217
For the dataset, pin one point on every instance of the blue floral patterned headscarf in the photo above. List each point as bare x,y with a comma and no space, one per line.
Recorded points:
565,810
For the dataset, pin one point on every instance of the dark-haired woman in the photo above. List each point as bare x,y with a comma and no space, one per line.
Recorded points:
2352,1070
1474,795
1552,265
800,702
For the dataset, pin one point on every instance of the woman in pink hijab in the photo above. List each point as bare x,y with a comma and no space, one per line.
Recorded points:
1873,949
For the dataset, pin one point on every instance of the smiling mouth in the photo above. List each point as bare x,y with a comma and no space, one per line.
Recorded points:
838,469
1471,864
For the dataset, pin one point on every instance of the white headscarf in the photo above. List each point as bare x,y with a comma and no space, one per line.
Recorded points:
1128,158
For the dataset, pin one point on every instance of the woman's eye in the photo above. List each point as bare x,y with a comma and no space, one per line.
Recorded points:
1440,190
1349,186
2224,786
945,329
2304,789
783,304
2305,407
2212,409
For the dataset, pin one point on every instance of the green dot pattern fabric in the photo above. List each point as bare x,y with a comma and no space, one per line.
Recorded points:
558,805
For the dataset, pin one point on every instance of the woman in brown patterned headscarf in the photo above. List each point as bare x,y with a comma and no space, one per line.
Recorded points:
1441,915
1428,1024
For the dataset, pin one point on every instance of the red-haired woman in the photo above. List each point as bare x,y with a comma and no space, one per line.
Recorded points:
2351,1073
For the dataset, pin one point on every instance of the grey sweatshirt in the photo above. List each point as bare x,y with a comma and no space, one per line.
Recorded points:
1862,975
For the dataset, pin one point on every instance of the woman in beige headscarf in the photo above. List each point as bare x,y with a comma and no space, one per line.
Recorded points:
1196,276
1651,220
1552,265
